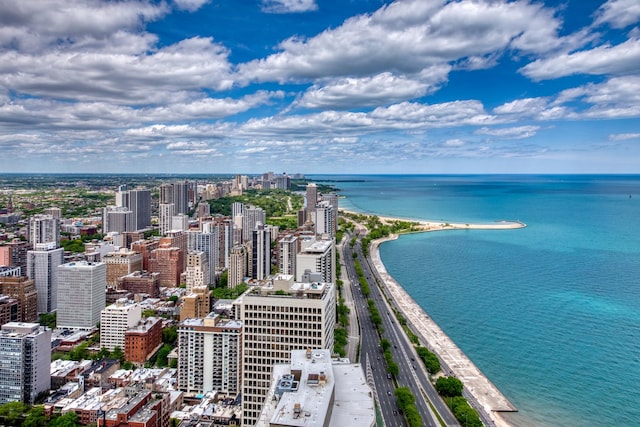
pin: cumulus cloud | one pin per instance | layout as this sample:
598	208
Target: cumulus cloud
624	136
618	13
620	59
288	6
190	5
517	132
409	36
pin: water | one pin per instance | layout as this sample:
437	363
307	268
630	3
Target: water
550	313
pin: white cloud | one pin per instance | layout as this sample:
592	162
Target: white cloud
624	136
454	143
190	5
409	36
288	6
619	13
517	132
520	106
620	59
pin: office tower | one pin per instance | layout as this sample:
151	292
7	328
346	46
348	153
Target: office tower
236	210
287	252
302	217
209	355
139	202
44	229
237	266
14	254
311	200
197	270
120	264
120	195
180	199
53	212
261	247
251	215
118	219
142	340
326	219
207	241
141	282
166	212
114	322
228	240
204	210
81	294
179	222
166	193
197	304
144	247
305	314
319	257
24	290
26	362
42	268
283	182
168	262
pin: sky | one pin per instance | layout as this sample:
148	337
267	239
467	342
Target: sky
320	86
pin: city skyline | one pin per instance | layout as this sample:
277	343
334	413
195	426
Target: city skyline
413	86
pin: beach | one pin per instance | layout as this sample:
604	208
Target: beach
455	362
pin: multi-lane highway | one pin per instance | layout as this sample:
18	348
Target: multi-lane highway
411	370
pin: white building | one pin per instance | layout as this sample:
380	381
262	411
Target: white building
42	268
209	355
315	390
81	294
44	229
261	247
251	215
118	219
25	362
317	257
197	271
165	215
114	322
207	241
326	217
280	317
287	252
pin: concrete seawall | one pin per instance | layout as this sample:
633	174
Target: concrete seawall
485	393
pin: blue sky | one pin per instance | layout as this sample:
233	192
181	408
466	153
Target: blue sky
315	86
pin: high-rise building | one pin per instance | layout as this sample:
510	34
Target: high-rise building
318	257
144	247
141	282
168	262
237	266
326	218
14	254
207	241
114	322
287	252
166	193
311	200
143	339
261	247
42	268
166	212
44	229
25	366
81	294
118	219
197	304
209	355
316	386
251	215
24	290
179	222
139	202
204	210
180	197
197	270
53	212
120	264
305	315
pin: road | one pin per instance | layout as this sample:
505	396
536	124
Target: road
411	370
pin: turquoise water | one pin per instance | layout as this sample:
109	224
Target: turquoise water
550	313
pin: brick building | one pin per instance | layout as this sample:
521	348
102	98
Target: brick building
141	341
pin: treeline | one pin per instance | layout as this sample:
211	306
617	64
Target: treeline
274	202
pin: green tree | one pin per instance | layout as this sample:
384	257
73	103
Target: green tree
70	419
161	359
170	335
12	413
449	386
48	320
35	417
117	353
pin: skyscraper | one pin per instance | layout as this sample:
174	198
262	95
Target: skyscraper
237	265
311	200
305	314
261	247
81	290
44	229
318	257
118	219
197	270
25	362
180	197
207	241
166	212
251	215
287	252
114	322
42	268
139	202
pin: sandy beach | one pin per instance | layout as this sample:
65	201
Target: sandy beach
485	393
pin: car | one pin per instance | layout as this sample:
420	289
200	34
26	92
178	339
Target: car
389	376
413	360
395	346
388	393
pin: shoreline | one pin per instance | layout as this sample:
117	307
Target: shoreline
476	384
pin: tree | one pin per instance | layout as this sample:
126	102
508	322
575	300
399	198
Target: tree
70	419
12	413
117	353
449	386
161	359
35	417
170	335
